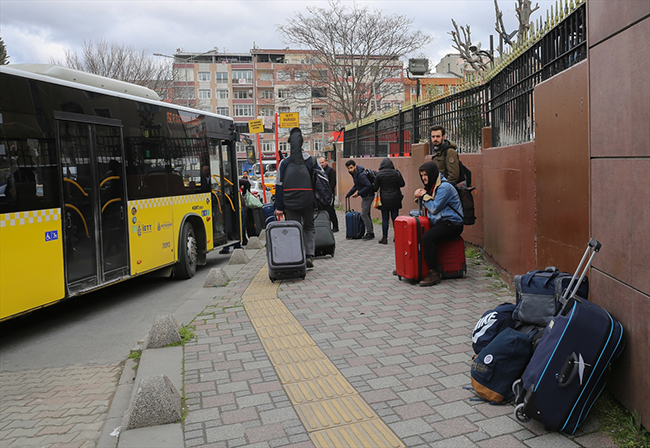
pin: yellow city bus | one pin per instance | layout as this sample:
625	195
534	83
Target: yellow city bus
100	182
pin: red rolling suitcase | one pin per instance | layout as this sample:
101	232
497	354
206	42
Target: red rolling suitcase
451	259
409	259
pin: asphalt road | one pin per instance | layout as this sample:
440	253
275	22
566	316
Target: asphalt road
97	328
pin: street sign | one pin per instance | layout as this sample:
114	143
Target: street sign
255	126
289	120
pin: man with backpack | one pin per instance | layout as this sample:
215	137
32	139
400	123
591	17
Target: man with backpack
445	155
362	187
294	194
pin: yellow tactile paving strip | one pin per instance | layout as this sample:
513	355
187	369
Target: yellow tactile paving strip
333	412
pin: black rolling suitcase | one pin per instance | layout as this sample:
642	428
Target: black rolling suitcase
254	221
568	370
285	250
325	242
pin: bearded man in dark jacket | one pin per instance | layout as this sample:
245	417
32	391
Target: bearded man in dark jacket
388	182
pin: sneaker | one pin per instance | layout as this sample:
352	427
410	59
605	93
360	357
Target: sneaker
335	230
310	262
394	271
432	278
384	240
368	236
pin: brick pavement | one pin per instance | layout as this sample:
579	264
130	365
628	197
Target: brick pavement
56	407
406	351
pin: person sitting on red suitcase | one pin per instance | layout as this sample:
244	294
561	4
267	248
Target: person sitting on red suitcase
444	210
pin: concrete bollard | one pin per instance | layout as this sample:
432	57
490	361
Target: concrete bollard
238	257
156	402
164	331
216	277
254	243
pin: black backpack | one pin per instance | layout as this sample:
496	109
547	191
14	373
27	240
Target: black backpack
322	189
467	200
371	174
297	189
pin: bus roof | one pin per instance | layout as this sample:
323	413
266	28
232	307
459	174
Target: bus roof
73	78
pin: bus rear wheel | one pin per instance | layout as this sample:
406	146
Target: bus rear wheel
187	253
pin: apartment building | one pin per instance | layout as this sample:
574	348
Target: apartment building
266	82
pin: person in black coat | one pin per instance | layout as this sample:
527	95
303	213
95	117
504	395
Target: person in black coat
388	182
331	176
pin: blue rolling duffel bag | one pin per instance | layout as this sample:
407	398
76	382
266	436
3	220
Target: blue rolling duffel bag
354	227
568	370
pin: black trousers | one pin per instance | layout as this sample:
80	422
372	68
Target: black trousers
439	232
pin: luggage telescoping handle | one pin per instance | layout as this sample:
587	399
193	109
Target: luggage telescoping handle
569	295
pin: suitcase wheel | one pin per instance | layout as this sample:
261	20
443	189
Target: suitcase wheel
519	413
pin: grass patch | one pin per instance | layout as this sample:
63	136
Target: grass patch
135	354
623	426
473	253
187	334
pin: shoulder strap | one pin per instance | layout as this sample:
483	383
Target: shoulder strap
449	203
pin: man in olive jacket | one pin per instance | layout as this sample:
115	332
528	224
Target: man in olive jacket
445	154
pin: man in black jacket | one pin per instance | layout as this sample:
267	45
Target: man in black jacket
331	176
362	187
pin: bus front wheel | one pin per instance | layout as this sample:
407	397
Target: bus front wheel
187	253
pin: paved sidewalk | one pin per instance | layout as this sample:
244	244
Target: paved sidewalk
56	407
403	349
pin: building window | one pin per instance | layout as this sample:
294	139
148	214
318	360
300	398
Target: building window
223	111
268	146
284	147
205	94
284	93
284	75
266	111
221	77
319	75
241	94
303	93
204	76
266	76
223	94
319	92
284	109
266	93
243	110
303	111
301	75
242	76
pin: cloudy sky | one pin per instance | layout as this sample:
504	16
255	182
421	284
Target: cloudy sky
38	30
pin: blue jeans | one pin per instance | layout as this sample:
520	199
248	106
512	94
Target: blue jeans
385	216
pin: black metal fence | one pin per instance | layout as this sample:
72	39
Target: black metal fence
505	101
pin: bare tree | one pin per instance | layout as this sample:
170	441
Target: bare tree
121	62
355	45
523	10
4	57
462	44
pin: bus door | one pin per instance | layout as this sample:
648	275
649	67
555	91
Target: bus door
221	205
95	210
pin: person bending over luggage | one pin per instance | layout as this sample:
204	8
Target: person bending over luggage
388	182
444	210
294	194
362	187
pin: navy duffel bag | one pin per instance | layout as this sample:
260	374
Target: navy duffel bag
538	295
